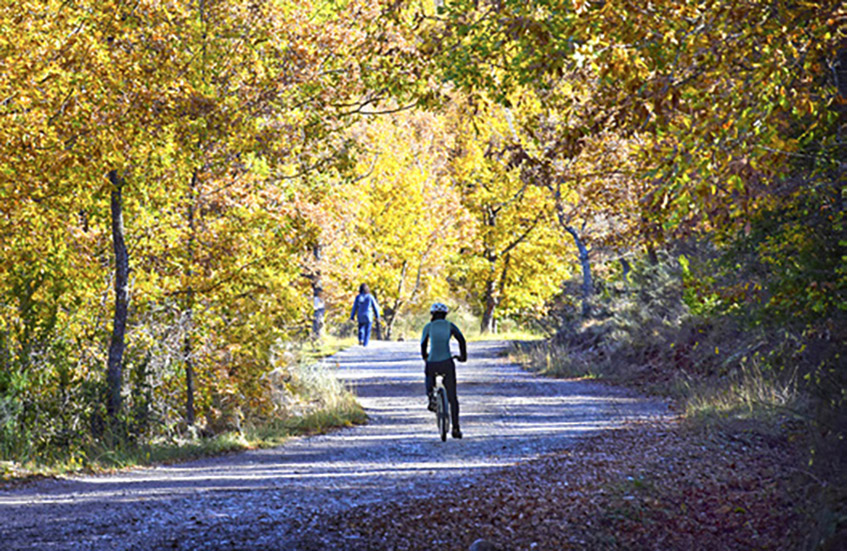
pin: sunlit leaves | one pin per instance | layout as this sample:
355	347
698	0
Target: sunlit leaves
207	110
518	259
397	224
706	86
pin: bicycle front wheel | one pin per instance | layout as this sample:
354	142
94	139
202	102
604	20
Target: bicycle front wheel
443	414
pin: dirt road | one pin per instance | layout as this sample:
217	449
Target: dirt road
263	499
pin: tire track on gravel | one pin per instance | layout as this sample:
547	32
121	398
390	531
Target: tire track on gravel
261	499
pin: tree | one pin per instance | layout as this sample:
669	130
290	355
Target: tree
116	348
705	87
207	113
511	215
591	179
64	101
397	223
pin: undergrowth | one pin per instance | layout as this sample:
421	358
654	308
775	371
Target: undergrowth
690	329
648	333
308	399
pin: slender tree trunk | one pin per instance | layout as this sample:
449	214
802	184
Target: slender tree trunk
501	292
391	316
490	297
587	282
189	373
487	325
626	269
188	349
376	330
317	296
319	314
116	348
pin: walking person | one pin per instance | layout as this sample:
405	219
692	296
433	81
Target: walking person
439	360
365	311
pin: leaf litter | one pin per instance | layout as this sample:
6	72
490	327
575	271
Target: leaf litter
651	485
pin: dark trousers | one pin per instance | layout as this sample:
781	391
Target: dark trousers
448	369
364	332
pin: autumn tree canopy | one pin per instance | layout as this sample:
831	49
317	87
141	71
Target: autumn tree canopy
268	157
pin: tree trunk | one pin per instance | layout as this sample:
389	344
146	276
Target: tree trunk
587	283
376	330
188	349
625	268
487	325
390	315
501	292
317	297
189	374
117	345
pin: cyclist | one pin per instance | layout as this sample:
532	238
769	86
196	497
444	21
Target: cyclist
437	334
365	310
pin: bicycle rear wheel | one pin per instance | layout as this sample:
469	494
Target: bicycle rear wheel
443	413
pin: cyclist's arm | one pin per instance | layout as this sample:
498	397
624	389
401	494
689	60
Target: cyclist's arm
425	342
463	346
355	307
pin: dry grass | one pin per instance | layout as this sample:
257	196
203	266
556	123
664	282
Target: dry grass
748	393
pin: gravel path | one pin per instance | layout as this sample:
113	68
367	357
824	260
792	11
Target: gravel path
263	499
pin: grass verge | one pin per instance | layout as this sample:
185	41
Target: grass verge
745	392
327	346
274	432
308	397
515	335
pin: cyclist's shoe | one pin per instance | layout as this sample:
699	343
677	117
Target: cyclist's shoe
432	406
457	433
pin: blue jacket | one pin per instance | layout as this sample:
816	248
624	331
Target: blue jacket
366	307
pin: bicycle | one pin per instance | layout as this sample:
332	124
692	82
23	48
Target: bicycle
442	406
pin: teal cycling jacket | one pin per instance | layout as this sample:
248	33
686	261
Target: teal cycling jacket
437	333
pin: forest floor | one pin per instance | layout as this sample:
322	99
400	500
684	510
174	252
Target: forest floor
545	464
653	485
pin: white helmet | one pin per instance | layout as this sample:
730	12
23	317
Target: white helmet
438	307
